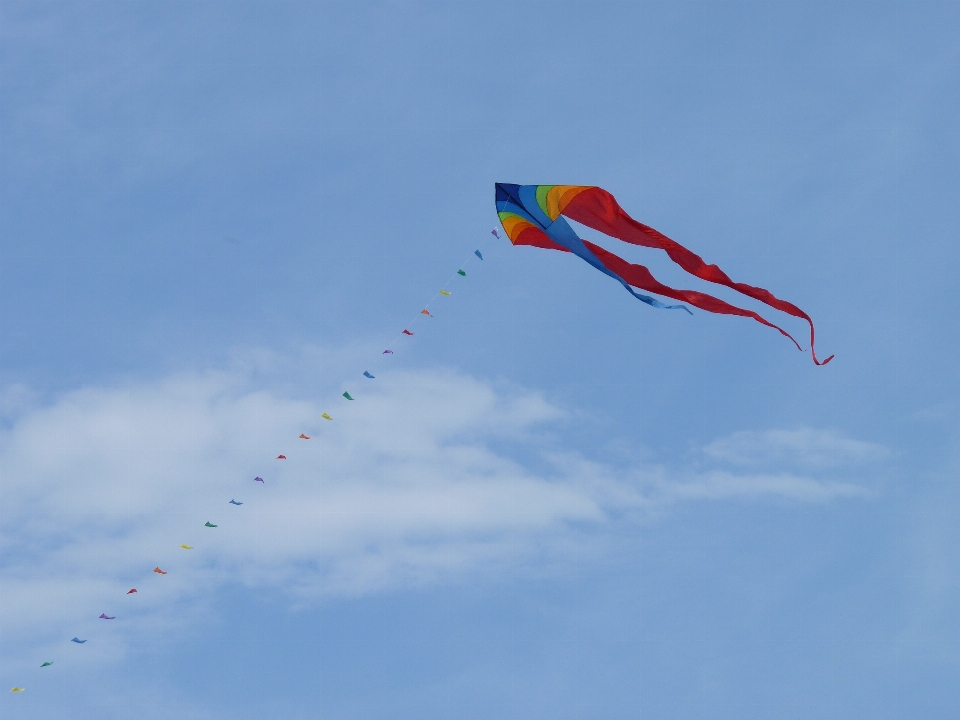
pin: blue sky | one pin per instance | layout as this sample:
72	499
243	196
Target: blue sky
554	501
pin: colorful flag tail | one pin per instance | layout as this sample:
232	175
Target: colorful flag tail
598	209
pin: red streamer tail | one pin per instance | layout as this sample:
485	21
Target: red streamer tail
598	209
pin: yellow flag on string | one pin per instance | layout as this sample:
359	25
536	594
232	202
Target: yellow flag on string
444	292
17	689
186	547
326	417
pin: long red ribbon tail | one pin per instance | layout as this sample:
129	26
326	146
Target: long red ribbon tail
598	209
641	277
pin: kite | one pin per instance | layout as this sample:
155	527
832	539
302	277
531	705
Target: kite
347	396
388	352
326	417
477	252
304	437
368	375
405	332
131	591
537	215
234	502
187	547
425	312
104	616
17	689
78	641
279	457
210	524
461	272
258	479
445	292
46	664
157	570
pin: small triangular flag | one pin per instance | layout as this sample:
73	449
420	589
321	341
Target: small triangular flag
304	437
46	664
461	272
326	417
425	312
366	374
210	524
388	352
444	292
477	252
495	234
17	689
347	396
407	332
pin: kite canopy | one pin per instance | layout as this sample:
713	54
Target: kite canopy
535	215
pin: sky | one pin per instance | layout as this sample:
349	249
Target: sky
553	501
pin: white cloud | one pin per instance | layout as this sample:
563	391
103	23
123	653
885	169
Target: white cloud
426	476
805	447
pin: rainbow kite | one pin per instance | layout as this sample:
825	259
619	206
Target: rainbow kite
534	215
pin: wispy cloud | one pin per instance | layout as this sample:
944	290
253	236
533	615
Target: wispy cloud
427	476
803	447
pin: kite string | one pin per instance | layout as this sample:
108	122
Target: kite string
419	316
461	269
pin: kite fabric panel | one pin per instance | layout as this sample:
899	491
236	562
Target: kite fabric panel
536	215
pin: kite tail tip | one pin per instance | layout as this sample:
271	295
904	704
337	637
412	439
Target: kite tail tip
824	362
